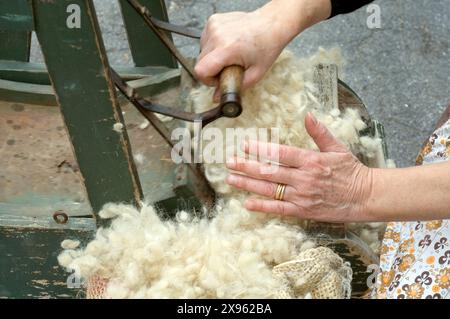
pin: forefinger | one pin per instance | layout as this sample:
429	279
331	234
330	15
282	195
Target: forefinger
283	154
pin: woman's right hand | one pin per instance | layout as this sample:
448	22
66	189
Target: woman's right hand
254	39
250	39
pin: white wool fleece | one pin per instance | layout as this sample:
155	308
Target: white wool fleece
229	256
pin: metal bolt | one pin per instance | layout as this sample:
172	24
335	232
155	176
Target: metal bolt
60	217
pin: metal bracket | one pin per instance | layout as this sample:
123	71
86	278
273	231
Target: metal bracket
158	26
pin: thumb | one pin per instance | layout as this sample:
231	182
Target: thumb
216	96
322	136
209	66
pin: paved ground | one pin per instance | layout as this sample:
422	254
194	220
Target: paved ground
401	71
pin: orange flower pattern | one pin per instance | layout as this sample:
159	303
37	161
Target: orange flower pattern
415	256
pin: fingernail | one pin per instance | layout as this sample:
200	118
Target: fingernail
250	204
230	179
231	162
312	117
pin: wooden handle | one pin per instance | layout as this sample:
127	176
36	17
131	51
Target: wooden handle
231	79
230	87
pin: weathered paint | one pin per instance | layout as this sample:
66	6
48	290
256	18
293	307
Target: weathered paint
15	45
16	15
145	46
90	110
32	245
36	73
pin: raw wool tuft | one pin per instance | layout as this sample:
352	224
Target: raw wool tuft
164	118
67	256
371	233
118	127
70	244
144	124
233	254
139	158
390	163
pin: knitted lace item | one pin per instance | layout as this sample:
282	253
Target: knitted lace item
318	272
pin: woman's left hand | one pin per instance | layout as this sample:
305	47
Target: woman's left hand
331	185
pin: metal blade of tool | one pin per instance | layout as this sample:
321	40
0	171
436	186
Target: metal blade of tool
166	26
132	96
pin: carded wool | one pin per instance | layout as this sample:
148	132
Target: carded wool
232	254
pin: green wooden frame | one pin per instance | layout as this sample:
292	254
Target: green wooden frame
29	248
16	24
103	155
16	15
76	77
62	82
36	73
29	83
15	45
146	48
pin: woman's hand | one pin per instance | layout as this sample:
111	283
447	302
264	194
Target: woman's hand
254	39
331	185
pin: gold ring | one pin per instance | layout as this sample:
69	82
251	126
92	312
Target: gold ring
279	193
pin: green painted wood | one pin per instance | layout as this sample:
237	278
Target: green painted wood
156	84
78	68
21	222
145	46
41	94
26	72
16	15
29	248
27	93
36	73
15	45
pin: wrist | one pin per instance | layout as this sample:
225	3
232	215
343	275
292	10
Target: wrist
291	17
375	183
386	200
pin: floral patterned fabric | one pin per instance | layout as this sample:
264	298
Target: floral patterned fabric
415	256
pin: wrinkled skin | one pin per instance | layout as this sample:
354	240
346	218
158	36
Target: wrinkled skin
331	185
252	47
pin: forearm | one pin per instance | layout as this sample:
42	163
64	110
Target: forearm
346	6
415	193
292	17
